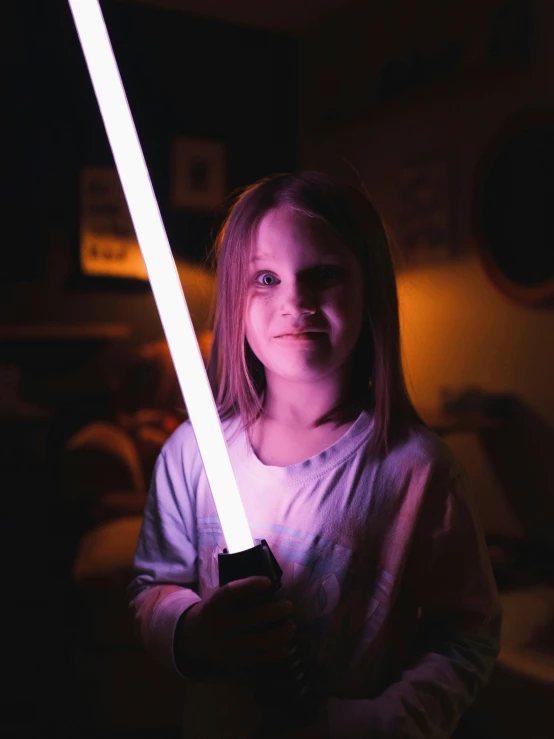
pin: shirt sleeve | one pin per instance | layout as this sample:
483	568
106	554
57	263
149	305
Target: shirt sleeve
458	638
165	563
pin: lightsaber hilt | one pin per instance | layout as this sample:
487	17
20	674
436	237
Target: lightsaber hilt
286	688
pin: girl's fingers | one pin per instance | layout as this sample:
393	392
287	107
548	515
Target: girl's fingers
269	645
265	620
246	629
263	614
238	589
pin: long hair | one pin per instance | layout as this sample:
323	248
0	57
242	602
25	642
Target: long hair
377	379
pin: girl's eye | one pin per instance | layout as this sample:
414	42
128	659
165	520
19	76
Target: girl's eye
267	279
328	274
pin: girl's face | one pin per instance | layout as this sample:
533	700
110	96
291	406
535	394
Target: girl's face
304	300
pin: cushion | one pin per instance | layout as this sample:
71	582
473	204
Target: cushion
105	554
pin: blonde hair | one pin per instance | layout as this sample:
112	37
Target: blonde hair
377	380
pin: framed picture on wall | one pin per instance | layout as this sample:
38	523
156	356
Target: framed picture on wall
108	246
198	173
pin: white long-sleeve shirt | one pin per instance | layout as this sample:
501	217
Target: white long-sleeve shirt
383	559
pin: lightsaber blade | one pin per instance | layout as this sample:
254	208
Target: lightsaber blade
162	272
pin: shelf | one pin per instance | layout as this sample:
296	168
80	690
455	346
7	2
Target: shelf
66	332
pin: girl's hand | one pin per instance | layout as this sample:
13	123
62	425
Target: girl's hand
233	628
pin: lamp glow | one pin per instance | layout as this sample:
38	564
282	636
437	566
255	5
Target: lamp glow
162	272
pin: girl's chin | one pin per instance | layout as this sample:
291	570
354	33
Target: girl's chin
301	372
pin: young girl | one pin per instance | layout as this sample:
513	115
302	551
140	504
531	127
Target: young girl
384	565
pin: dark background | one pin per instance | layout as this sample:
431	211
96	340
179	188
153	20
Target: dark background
372	88
185	76
182	75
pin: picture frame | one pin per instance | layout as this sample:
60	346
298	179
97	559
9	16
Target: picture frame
108	247
198	173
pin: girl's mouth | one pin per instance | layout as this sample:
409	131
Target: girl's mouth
303	336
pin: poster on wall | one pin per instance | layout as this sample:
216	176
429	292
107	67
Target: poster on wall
108	245
198	174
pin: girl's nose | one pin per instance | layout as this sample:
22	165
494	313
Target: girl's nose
299	300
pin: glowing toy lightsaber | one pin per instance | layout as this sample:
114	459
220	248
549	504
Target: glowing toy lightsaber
162	272
287	689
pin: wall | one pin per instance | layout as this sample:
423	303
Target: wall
183	76
457	329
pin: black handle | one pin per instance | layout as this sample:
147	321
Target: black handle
284	688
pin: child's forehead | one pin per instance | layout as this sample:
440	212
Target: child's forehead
283	229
